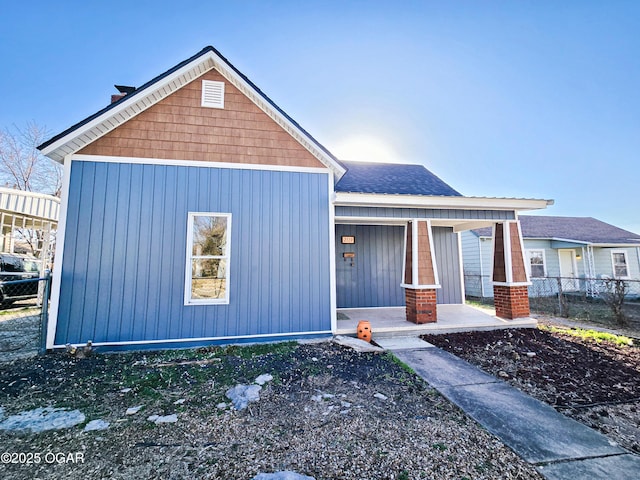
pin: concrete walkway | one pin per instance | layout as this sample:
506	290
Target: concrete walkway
560	448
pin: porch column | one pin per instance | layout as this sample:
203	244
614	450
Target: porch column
510	277
420	273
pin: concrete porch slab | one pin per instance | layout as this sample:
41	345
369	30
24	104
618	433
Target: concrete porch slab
391	321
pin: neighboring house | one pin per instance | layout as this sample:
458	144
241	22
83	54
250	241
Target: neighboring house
29	221
572	248
195	211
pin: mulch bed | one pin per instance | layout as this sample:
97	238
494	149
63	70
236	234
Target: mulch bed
596	382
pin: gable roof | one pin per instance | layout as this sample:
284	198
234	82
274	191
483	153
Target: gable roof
391	178
93	127
586	230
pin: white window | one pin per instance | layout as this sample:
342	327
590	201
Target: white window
619	261
208	254
536	263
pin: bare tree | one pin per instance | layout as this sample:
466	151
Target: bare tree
23	167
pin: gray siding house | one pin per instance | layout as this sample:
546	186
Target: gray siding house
572	248
195	211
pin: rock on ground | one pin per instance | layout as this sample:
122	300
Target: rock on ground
357	344
41	419
242	395
282	476
264	378
96	425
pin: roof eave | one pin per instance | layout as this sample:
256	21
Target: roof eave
426	201
83	133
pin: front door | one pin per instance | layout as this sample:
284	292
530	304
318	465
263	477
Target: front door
568	269
369	266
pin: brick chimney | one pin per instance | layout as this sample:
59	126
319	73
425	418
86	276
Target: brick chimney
124	91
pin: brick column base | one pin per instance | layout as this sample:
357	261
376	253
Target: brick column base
421	305
511	302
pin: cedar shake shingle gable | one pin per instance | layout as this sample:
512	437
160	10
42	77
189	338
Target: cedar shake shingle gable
140	99
388	178
580	229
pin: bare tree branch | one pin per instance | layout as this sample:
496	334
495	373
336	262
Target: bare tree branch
22	166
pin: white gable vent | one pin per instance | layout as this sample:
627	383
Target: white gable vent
212	94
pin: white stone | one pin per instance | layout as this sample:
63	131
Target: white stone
531	354
242	395
179	402
41	419
125	390
356	344
264	378
221	406
133	410
153	418
288	475
173	418
380	396
96	425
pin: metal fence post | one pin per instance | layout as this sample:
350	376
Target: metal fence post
44	315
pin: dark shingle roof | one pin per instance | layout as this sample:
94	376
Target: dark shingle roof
391	178
580	229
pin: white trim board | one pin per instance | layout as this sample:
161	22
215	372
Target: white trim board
198	164
333	282
52	324
345	199
199	339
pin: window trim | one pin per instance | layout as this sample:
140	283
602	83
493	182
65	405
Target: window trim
189	258
528	253
626	263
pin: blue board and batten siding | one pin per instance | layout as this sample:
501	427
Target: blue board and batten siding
373	277
123	273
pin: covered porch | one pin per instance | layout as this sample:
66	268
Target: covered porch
392	321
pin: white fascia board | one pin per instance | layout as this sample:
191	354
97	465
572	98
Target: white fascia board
614	245
197	163
417	201
114	117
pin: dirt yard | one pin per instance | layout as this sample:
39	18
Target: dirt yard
329	412
595	381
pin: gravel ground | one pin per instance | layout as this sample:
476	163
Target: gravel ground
19	333
329	412
594	382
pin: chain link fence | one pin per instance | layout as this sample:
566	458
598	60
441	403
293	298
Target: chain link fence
24	307
593	299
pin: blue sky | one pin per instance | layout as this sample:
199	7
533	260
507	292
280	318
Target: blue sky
535	99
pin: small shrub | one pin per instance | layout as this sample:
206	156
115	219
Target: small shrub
613	296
